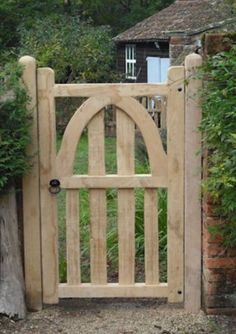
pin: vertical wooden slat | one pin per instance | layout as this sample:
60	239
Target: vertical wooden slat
163	112
72	237
151	237
175	149
47	153
192	187
126	199
31	201
97	199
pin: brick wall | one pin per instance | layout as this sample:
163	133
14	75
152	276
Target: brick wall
219	263
219	270
180	46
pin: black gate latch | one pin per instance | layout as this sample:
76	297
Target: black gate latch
54	186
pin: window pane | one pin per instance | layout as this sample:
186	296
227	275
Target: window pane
130	60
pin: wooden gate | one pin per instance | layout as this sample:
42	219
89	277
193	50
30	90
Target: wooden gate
167	171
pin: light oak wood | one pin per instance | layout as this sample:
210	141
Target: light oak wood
72	237
97	200
192	186
126	199
113	290
175	147
163	112
157	155
73	132
88	90
47	150
166	171
151	237
129	111
113	181
31	200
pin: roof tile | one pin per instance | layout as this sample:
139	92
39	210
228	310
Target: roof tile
185	16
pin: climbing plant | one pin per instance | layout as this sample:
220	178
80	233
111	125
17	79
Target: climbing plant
219	136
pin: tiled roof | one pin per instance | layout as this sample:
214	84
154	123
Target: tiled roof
186	16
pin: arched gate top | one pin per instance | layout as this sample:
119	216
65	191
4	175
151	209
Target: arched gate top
81	118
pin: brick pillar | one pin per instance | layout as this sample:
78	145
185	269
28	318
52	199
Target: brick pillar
219	263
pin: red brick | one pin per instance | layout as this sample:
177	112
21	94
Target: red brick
212	221
210	238
208	199
208	209
219	288
213	275
214	250
220	262
231	252
231	275
222	301
213	288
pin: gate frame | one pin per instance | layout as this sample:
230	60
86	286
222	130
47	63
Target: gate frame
33	184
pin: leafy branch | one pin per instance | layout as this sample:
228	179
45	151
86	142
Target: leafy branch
219	136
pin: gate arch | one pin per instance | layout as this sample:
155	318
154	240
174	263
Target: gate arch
128	105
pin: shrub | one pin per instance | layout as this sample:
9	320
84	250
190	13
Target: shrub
74	49
14	126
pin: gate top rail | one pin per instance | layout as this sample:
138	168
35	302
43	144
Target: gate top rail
88	90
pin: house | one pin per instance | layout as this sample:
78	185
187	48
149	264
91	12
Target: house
145	51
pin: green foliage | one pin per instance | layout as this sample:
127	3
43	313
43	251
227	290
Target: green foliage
55	32
119	14
14	126
14	13
130	11
219	135
74	49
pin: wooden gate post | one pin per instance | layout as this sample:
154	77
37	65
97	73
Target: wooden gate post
48	201
192	186
175	145
31	201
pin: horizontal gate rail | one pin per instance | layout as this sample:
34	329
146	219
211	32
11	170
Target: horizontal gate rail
114	290
113	181
88	90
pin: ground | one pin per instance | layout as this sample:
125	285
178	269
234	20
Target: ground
117	317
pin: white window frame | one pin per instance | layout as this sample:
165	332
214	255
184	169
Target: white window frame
130	61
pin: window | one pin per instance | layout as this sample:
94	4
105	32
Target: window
157	69
130	61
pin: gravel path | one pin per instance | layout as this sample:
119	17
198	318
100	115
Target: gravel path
117	317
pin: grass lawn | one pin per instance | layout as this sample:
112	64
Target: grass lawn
81	167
